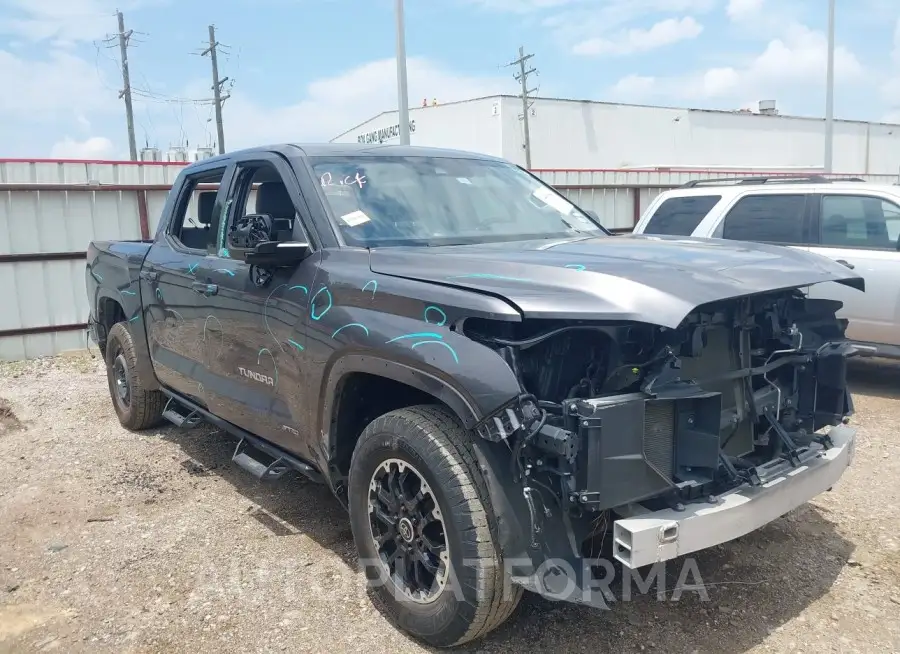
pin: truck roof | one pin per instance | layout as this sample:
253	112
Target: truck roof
352	150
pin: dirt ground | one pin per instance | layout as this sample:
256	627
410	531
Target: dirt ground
115	542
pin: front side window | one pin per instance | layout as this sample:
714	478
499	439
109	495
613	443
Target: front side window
382	201
774	218
859	221
680	216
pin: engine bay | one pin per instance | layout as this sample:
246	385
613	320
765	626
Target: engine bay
616	414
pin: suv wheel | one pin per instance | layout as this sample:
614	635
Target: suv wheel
420	517
136	407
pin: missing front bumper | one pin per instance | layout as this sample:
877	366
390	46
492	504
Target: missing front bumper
649	537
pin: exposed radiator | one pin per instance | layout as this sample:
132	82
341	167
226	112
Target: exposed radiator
659	436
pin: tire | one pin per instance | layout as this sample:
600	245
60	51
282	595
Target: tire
429	442
136	407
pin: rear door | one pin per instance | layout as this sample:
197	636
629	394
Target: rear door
173	310
775	218
862	231
256	324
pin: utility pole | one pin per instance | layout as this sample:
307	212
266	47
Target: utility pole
522	78
218	97
126	81
402	95
829	92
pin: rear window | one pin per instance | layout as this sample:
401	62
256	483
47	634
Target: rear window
680	216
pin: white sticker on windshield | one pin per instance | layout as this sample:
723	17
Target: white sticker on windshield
463	180
558	202
355	218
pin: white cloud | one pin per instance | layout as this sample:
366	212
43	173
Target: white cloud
94	147
794	61
64	21
333	105
740	9
631	41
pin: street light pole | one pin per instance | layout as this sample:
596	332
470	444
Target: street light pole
402	96
829	92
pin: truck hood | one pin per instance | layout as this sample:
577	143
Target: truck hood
652	279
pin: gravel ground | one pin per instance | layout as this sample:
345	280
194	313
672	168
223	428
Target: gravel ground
116	542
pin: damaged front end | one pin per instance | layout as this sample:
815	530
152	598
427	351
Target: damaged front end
679	439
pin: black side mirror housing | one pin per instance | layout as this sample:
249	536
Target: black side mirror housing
275	254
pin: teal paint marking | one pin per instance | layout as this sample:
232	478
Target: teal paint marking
226	271
193	267
433	308
352	324
97	276
128	293
415	335
312	307
296	345
301	287
489	276
373	283
135	319
223	252
450	348
159	294
575	266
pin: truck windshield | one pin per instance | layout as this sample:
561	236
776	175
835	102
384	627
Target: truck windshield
433	201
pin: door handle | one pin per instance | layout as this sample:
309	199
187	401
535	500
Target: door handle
149	275
205	289
846	263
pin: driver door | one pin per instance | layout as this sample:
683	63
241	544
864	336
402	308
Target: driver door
256	328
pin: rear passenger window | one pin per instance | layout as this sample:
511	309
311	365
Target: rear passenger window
192	219
766	218
680	216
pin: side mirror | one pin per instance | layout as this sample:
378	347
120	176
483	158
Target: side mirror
275	254
250	231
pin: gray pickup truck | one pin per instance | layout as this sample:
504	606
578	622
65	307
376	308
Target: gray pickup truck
476	368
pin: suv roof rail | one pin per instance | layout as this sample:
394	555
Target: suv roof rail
782	179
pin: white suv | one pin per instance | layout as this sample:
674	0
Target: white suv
850	221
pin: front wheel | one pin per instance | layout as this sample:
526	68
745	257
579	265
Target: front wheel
420	517
136	407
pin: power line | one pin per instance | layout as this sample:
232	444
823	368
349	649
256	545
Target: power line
126	82
219	97
522	78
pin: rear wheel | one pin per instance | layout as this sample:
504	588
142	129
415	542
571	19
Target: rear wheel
420	517
136	407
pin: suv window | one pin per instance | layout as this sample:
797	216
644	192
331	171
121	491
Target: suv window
772	218
680	216
193	217
859	221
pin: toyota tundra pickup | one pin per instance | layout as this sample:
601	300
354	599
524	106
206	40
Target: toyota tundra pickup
482	375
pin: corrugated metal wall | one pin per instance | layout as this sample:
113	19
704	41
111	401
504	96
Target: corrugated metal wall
51	210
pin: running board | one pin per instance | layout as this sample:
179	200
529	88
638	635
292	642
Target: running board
248	458
183	421
247	454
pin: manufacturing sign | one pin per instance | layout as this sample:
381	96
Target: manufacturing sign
384	134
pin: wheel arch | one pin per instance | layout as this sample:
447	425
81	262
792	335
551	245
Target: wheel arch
396	385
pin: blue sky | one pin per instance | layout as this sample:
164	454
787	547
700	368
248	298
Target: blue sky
306	70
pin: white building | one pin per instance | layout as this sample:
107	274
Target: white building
573	134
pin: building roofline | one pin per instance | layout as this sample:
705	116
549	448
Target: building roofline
727	112
411	109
